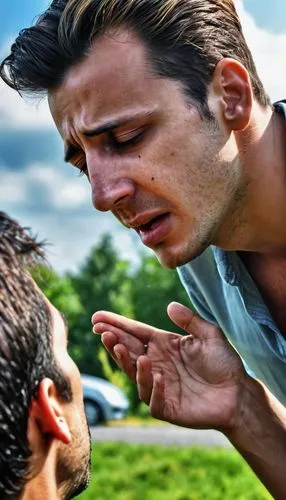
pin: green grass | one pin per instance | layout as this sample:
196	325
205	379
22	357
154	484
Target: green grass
123	471
135	421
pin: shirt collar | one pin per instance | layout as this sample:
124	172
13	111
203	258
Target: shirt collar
226	265
280	107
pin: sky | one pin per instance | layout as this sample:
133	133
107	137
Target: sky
44	193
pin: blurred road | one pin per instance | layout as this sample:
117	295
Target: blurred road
160	434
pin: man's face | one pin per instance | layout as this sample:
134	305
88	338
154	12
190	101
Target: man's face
73	466
150	157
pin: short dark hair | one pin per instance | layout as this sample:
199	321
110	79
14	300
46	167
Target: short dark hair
26	354
184	38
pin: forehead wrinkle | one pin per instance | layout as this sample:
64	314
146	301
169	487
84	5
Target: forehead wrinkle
114	121
71	138
103	72
94	91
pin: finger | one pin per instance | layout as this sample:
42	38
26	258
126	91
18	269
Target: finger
125	361
144	379
157	401
139	330
132	343
120	355
109	340
189	321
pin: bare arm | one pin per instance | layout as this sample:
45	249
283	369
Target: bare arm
198	381
259	435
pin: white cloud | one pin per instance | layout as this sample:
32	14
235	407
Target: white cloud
11	192
19	113
69	237
51	183
73	194
74	236
268	50
56	204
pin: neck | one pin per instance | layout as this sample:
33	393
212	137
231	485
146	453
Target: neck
39	493
43	486
258	221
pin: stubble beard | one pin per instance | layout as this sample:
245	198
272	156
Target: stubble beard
222	222
74	462
220	217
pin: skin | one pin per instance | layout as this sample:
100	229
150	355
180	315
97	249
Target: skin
181	376
210	180
198	381
58	432
210	193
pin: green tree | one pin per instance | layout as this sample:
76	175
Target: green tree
154	287
61	293
102	282
58	289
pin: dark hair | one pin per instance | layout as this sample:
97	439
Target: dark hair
185	39
26	355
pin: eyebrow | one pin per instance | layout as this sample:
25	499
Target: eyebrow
71	150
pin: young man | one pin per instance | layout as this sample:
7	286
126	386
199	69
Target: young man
44	437
160	105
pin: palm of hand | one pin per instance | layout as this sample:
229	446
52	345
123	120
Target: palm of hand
192	381
201	380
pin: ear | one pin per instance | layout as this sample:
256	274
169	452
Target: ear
48	412
231	82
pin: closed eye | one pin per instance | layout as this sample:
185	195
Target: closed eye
126	140
83	171
119	141
82	167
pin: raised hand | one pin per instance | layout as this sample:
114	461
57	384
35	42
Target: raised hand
194	380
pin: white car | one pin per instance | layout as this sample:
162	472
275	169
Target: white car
102	400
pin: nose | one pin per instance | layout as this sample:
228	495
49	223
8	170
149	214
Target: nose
109	194
110	177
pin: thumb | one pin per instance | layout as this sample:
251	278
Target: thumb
188	320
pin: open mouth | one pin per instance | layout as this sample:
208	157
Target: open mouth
152	224
155	230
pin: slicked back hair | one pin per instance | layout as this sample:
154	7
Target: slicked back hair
185	39
26	355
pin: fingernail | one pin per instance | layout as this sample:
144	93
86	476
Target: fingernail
117	354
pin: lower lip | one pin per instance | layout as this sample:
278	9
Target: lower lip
160	229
